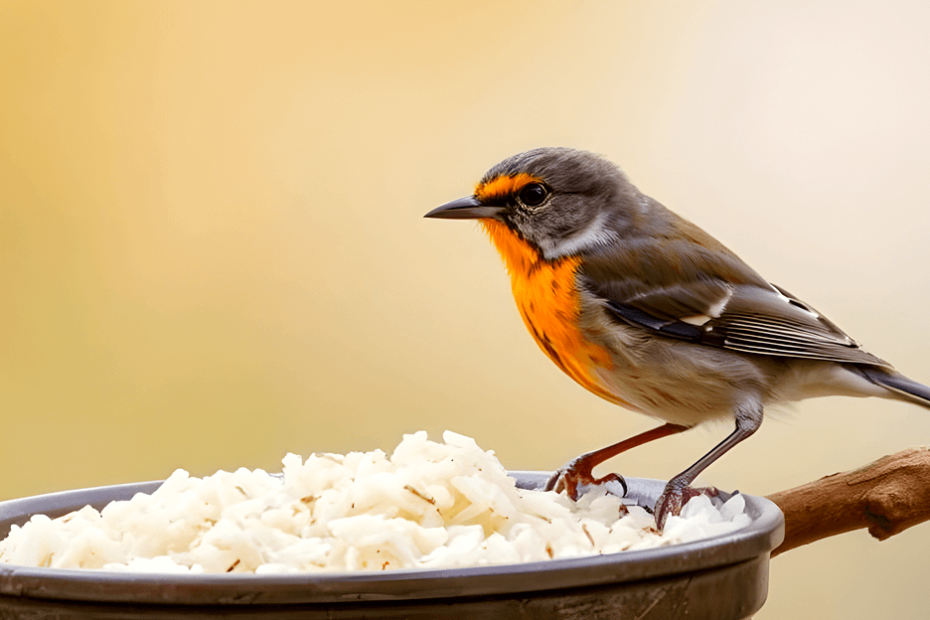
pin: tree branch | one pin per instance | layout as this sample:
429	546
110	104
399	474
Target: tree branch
887	497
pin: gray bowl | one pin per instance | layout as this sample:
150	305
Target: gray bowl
719	578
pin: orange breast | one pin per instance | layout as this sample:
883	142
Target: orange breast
547	298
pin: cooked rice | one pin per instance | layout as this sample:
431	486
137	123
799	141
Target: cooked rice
428	505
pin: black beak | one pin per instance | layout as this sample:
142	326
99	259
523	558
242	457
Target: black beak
464	209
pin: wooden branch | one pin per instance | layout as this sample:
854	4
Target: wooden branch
887	497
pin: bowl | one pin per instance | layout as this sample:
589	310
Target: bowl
721	578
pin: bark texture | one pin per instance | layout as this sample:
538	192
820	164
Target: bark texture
886	496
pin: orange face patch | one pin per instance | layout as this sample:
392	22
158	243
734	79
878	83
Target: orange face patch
547	298
502	186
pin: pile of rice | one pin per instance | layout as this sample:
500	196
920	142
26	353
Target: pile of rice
428	505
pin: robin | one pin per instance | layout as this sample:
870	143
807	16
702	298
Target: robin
648	311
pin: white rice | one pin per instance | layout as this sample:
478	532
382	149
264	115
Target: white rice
428	505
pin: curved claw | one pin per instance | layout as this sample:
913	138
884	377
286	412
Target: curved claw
575	477
612	477
674	498
577	473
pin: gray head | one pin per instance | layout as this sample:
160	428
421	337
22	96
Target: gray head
560	200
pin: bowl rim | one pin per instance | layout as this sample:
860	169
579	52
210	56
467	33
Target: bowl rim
760	537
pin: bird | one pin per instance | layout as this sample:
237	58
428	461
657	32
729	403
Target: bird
648	311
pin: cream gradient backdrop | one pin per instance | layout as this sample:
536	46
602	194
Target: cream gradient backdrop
212	248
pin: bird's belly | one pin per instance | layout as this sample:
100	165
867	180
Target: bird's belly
671	380
665	399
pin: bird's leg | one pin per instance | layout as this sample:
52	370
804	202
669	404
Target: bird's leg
578	472
678	490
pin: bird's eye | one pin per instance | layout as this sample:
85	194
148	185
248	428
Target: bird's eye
533	194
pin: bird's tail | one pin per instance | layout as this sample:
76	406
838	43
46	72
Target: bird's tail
898	384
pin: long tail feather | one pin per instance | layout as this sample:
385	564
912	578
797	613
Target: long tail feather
899	384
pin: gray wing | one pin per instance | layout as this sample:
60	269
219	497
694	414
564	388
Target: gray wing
750	317
680	282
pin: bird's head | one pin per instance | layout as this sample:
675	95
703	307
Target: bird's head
560	201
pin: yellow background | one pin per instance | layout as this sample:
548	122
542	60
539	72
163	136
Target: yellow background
212	248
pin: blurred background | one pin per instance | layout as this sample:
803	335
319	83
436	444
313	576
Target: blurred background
212	249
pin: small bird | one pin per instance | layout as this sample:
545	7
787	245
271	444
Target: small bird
648	311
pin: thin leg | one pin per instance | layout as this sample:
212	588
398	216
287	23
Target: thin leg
578	471
678	490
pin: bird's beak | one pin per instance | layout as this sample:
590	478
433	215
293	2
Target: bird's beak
467	208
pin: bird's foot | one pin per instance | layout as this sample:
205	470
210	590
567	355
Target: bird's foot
677	494
576	478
